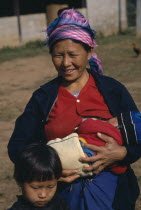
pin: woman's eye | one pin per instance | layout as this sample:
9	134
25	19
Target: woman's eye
57	55
73	55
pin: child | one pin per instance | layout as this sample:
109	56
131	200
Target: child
37	170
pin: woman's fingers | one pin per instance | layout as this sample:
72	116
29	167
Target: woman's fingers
105	138
69	176
69	179
95	166
69	172
99	169
89	159
92	147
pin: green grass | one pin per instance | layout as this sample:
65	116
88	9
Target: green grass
111	43
115	52
28	50
118	57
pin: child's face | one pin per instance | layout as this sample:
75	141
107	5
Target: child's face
39	193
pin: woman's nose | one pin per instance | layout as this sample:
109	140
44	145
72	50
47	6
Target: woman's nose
66	61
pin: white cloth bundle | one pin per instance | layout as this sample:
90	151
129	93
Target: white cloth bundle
69	150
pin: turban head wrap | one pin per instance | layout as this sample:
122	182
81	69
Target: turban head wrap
71	24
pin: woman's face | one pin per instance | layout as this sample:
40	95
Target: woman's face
70	59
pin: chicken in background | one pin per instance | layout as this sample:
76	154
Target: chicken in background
136	49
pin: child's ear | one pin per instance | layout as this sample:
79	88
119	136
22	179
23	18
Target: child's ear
20	185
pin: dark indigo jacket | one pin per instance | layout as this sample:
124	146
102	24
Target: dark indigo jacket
29	128
57	203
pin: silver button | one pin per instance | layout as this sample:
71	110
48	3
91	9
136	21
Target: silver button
78	100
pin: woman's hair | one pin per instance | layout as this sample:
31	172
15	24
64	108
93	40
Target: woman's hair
37	162
85	46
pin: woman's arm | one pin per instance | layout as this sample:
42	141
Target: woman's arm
27	129
129	124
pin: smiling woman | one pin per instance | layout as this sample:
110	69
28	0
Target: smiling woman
58	109
70	60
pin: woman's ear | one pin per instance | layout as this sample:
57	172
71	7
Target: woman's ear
90	53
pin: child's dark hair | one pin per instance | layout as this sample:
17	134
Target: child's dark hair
37	162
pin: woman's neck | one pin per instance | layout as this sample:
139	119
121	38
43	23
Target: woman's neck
77	85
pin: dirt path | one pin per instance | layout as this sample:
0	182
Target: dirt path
18	80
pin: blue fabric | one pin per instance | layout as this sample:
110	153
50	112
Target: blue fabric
93	193
87	151
136	119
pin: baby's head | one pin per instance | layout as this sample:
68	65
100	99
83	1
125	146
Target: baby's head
37	170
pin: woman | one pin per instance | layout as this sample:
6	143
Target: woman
58	107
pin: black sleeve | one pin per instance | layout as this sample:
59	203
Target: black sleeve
133	154
27	129
130	126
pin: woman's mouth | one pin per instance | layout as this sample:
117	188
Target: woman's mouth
69	72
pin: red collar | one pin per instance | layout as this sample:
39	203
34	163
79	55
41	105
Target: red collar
90	82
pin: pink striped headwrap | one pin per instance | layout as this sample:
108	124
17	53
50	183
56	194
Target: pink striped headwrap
71	24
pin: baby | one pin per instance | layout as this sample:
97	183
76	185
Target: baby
87	132
70	148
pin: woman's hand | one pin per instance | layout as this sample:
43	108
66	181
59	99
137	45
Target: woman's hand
69	176
106	155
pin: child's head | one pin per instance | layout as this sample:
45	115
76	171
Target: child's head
37	170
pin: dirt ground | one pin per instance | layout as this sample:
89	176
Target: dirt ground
18	80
